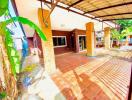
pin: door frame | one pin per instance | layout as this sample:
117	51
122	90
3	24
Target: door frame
79	43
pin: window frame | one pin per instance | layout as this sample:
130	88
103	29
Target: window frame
60	45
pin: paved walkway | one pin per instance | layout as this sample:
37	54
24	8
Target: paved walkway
105	77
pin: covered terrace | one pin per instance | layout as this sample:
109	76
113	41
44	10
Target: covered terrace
73	66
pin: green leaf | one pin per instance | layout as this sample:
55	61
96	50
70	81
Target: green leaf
28	22
3	95
3	6
12	53
124	24
17	68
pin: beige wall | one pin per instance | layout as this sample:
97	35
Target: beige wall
60	19
28	9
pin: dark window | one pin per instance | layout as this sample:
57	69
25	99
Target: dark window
59	41
55	41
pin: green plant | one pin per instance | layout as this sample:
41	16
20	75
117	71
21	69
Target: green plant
3	95
119	36
116	35
11	51
124	24
3	7
127	31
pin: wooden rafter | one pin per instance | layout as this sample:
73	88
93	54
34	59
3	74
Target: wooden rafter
52	1
53	5
48	2
114	15
128	3
118	19
79	1
70	10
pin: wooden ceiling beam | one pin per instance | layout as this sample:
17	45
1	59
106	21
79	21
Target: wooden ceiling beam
118	5
53	5
118	19
48	2
79	1
114	14
75	12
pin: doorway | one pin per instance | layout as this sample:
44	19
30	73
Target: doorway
72	45
82	42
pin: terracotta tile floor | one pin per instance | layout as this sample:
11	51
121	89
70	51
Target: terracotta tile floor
70	61
101	78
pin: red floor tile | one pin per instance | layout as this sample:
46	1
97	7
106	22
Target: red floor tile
76	84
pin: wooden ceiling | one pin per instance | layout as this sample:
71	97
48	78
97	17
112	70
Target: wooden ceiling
102	10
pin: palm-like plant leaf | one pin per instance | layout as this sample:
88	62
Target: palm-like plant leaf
28	22
119	36
12	53
3	6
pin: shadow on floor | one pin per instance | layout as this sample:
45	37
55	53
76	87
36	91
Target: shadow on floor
123	58
89	89
66	94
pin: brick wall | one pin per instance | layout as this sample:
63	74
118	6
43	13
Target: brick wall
75	33
68	48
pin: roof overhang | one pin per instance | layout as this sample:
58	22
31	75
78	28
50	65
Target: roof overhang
101	10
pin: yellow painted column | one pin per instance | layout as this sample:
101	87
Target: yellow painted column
90	45
47	46
107	37
95	40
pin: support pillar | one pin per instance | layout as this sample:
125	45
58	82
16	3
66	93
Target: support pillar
47	46
107	37
95	41
90	45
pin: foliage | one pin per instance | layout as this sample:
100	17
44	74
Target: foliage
28	22
11	51
3	6
115	35
127	31
3	95
119	36
124	24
